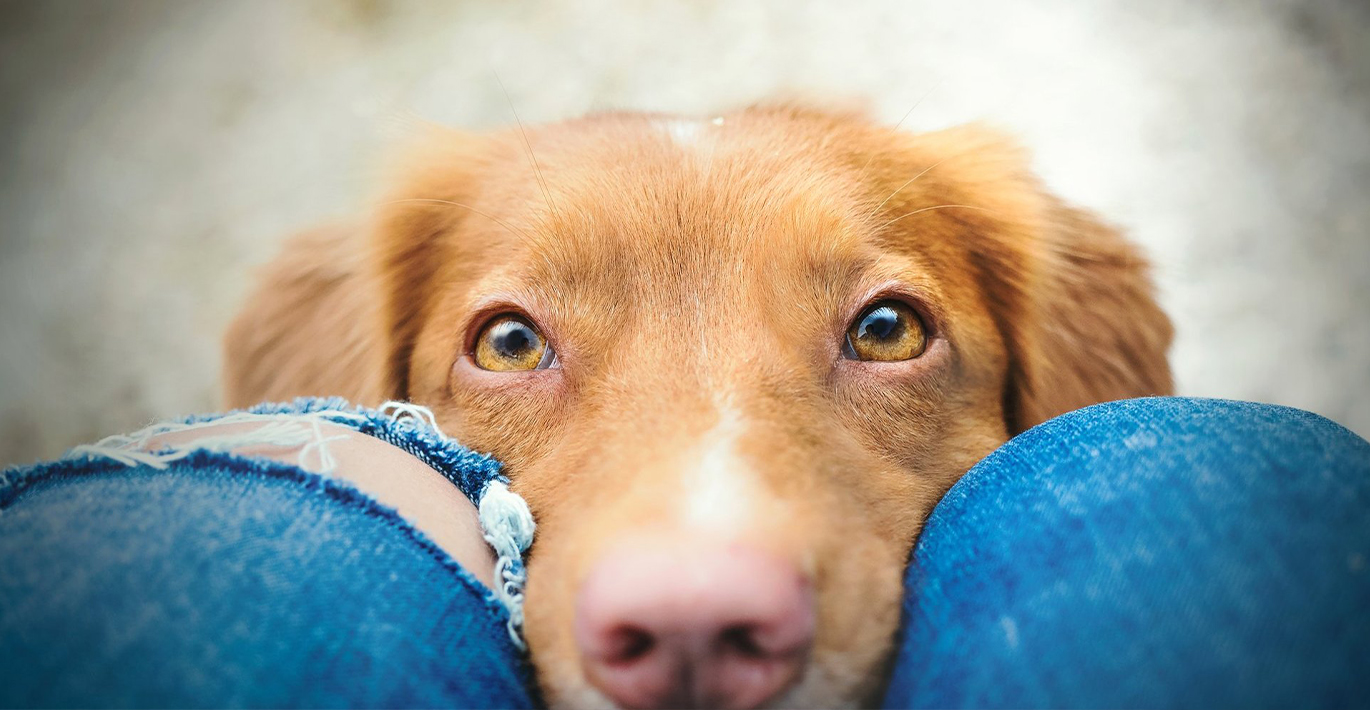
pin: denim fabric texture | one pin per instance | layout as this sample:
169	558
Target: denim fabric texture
221	580
469	471
1149	553
1152	553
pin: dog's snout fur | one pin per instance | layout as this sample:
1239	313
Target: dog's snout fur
696	279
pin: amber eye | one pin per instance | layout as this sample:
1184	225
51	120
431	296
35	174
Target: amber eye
886	331
509	342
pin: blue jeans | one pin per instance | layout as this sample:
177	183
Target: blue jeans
1148	553
1159	552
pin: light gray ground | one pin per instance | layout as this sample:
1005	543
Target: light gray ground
154	153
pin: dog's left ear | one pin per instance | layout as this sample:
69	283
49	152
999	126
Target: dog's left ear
1071	298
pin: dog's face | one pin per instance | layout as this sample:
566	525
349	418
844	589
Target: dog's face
732	364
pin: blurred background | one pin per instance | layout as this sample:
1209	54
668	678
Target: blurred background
153	153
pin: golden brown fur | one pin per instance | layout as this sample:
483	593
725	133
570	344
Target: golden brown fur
679	277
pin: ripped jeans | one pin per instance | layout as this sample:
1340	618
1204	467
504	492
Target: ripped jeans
1163	552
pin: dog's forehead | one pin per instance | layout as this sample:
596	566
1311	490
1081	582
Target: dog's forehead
633	197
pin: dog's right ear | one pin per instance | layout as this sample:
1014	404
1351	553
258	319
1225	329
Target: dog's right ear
311	327
433	185
338	311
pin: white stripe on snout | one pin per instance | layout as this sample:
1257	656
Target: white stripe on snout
720	491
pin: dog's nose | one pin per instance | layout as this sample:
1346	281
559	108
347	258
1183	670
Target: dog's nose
691	625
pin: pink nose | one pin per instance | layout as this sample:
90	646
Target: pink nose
693	626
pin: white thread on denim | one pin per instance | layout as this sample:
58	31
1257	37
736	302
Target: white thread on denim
320	442
397	410
506	522
276	430
508	526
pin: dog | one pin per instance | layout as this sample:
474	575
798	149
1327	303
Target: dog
730	362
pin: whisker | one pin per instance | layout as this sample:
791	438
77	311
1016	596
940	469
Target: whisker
905	117
516	232
528	145
901	187
934	207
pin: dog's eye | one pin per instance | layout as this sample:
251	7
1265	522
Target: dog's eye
509	342
886	331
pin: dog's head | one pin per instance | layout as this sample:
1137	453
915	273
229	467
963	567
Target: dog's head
730	363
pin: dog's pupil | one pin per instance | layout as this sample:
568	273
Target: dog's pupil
513	339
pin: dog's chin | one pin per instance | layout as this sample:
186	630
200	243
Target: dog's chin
849	678
820	687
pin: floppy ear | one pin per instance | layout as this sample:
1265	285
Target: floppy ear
1071	298
414	242
311	328
337	312
1091	330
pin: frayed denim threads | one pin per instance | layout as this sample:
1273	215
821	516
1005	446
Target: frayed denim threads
505	519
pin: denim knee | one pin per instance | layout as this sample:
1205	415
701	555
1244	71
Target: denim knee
203	577
1154	552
